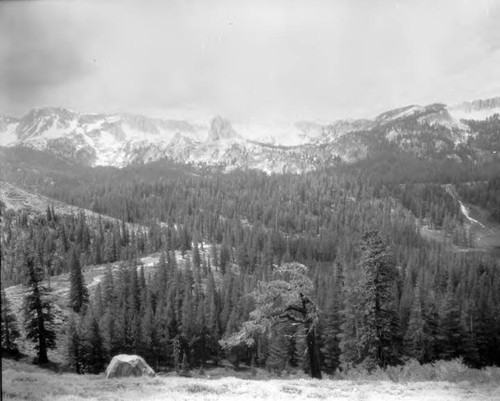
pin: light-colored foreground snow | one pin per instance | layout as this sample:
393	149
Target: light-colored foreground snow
36	384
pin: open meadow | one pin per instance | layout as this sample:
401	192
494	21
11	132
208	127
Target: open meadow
21	381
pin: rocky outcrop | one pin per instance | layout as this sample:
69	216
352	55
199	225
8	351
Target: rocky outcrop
221	129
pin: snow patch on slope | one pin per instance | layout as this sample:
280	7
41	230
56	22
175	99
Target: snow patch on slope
450	189
8	136
465	211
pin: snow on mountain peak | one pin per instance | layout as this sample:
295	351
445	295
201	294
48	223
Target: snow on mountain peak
121	139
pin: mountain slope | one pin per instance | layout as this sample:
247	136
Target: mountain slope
16	199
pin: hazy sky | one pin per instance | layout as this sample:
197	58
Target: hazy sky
247	60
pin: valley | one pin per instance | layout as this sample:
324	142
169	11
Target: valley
175	254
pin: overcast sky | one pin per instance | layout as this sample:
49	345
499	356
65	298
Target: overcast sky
247	60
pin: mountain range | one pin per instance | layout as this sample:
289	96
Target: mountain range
118	140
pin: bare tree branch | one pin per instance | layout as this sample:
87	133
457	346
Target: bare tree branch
296	308
292	318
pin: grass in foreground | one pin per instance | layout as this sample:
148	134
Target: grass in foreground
21	381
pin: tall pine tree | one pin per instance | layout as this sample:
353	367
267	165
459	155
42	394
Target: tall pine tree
37	309
78	293
9	328
75	354
379	333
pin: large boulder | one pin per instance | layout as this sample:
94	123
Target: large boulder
128	365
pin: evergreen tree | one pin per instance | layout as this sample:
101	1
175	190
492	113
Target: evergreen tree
431	329
161	330
147	329
227	304
331	325
415	338
133	299
351	317
187	322
185	365
37	309
379	332
215	256
213	306
49	250
108	287
196	258
287	298
282	348
232	323
224	257
262	349
212	319
75	354
8	328
93	348
78	292
485	330
177	352
97	302
451	333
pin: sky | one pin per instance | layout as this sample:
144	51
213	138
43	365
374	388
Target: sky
249	61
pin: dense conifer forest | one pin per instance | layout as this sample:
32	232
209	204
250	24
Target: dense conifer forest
376	292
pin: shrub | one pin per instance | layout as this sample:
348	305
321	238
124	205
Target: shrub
205	389
412	371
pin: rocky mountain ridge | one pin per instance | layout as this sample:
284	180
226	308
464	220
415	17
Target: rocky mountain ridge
124	139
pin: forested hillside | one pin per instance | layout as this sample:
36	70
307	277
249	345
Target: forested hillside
346	224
